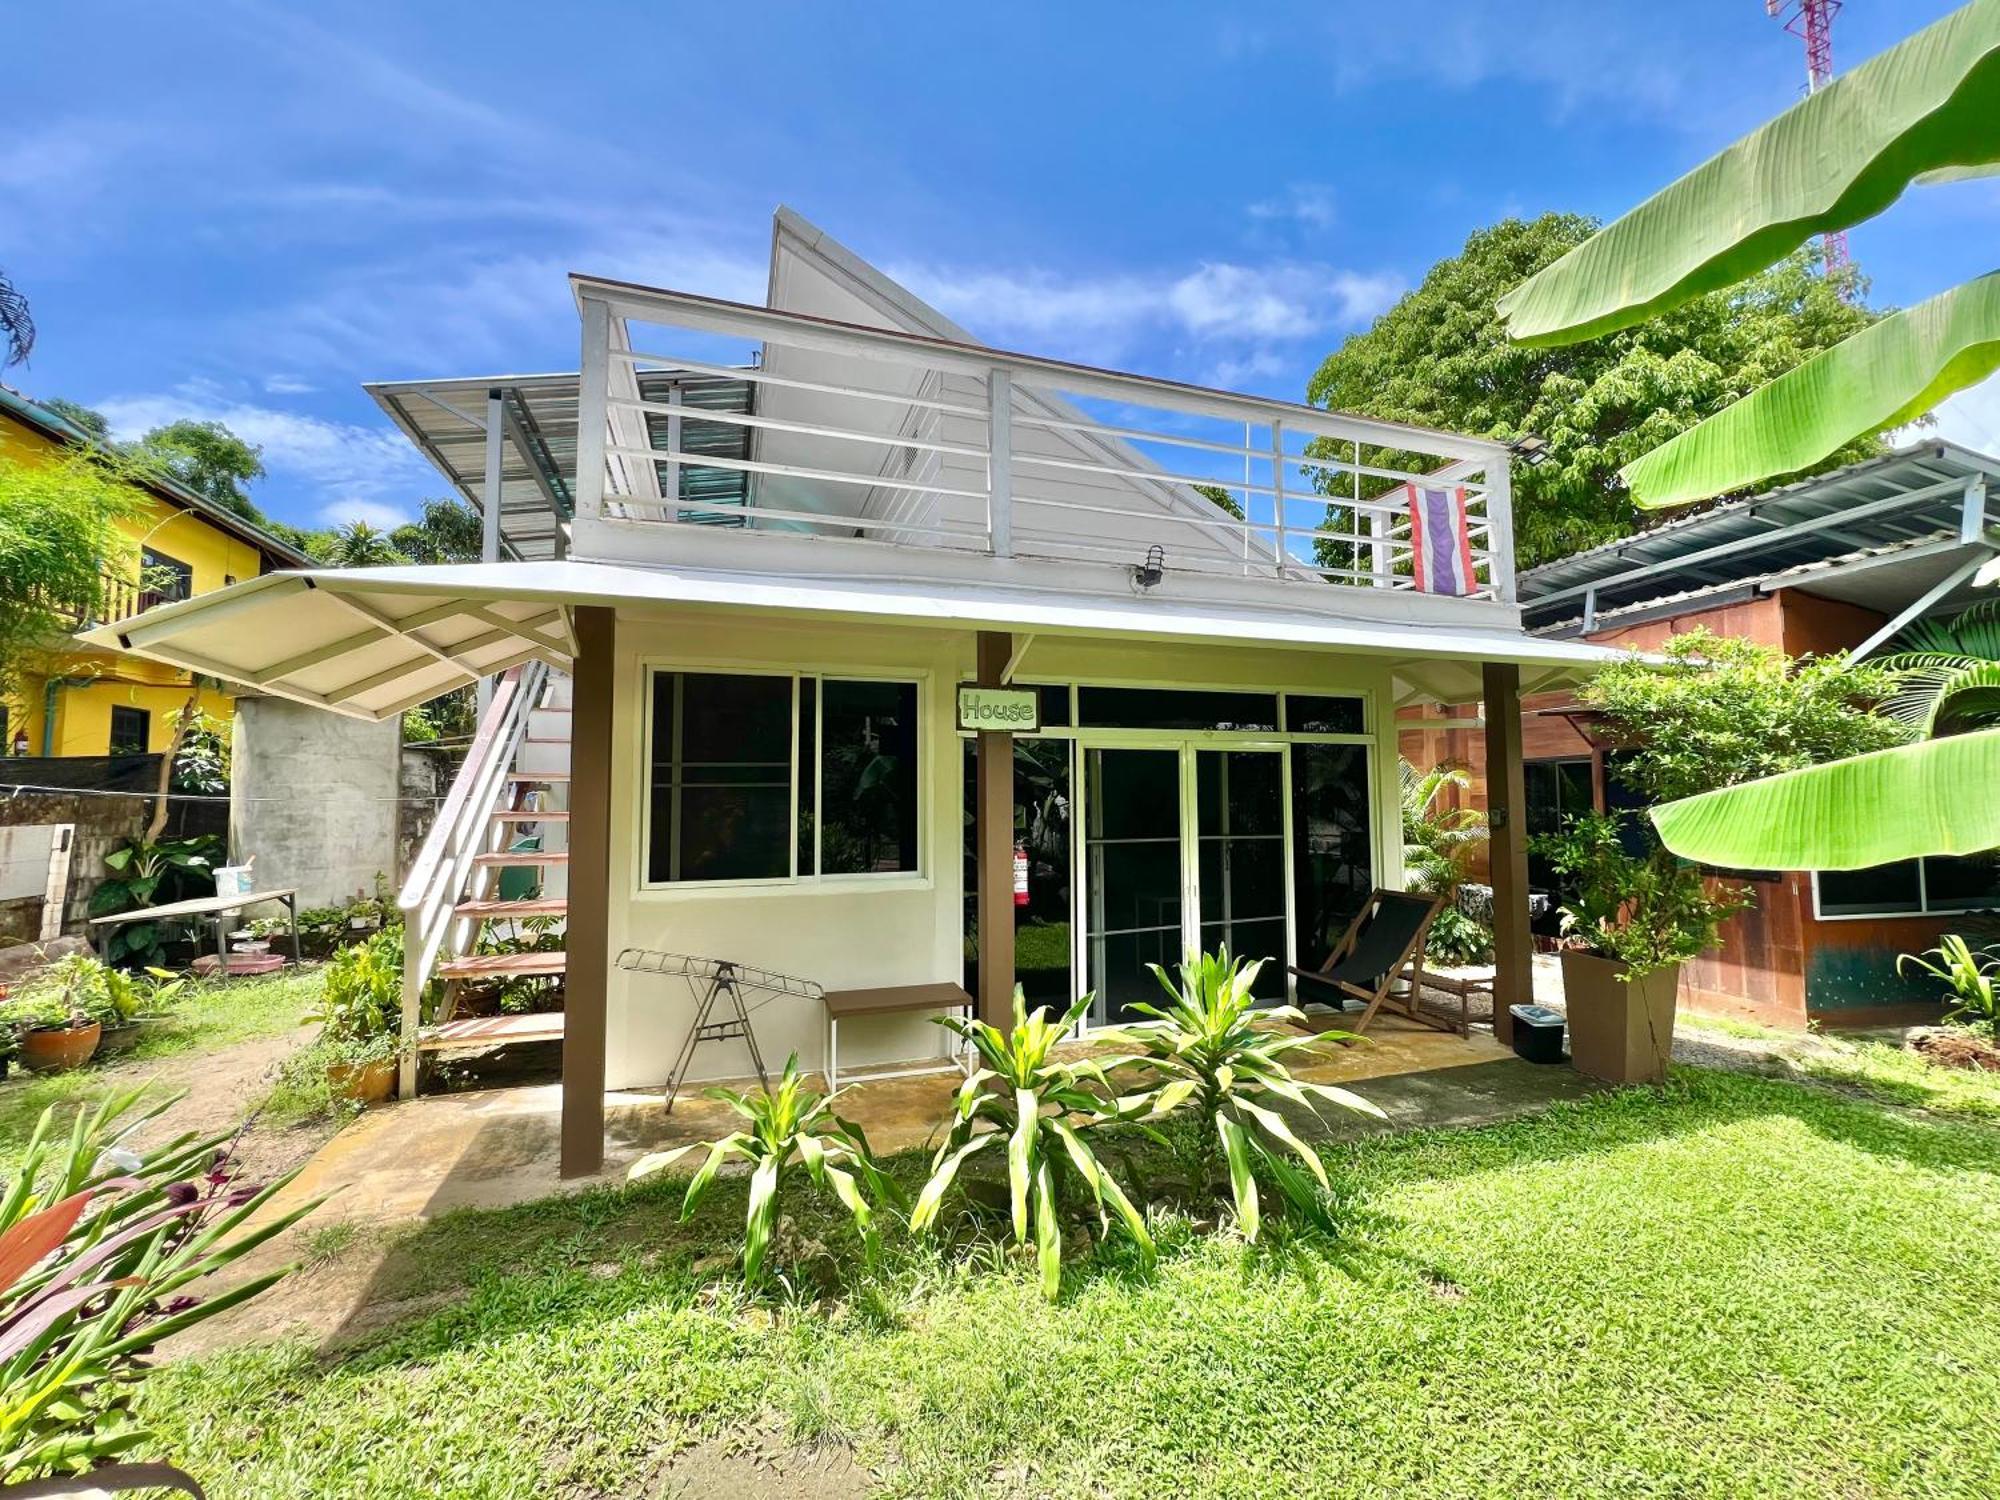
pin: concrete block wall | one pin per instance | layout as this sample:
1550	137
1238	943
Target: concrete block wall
316	798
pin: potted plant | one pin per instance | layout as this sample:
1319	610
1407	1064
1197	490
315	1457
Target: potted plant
360	1014
1635	919
55	1033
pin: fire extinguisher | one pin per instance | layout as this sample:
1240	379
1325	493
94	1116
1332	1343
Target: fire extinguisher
1020	874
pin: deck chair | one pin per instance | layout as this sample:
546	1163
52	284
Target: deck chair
1384	943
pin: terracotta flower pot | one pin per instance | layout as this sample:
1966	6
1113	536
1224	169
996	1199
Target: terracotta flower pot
364	1083
122	1038
1619	1030
59	1051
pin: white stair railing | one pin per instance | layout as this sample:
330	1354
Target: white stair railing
432	929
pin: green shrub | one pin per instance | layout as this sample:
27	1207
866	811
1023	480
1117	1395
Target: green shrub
1971	976
1037	1105
1223	1064
792	1131
1645	910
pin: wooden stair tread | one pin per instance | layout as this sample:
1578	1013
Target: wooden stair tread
504	857
544	906
474	1031
502	965
530	815
532	776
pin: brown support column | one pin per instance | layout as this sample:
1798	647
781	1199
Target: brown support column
1506	817
588	924
993	845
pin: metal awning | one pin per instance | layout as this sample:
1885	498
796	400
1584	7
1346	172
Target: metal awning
1911	518
370	642
446	419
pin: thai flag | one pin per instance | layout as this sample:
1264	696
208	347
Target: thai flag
1440	547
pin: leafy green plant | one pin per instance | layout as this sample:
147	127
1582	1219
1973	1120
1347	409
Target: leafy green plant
102	1252
1948	670
1223	1063
361	999
1456	938
1644	910
1436	839
1971	975
1022	1095
146	874
73	991
793	1131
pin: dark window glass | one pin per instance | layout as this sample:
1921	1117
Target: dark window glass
1332	859
1557	791
1305	714
1962	883
1042	944
1240	821
1166	708
721	777
1883	888
808	790
1132	873
868	777
1054	700
131	731
163	579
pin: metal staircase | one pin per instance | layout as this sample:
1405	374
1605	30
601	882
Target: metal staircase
498	852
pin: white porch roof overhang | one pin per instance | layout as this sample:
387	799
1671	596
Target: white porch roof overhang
371	642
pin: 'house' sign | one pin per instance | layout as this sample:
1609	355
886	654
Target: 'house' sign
1002	710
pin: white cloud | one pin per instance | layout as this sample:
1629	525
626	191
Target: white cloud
287	385
334	463
1972	417
381	517
1310	204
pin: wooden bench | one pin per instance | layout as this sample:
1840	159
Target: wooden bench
894	1000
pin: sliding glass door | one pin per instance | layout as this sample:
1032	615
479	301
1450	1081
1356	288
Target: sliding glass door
1240	842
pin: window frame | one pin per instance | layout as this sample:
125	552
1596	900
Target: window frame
1923	910
146	730
182	571
652	669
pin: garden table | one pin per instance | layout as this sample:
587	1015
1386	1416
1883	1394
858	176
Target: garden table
212	908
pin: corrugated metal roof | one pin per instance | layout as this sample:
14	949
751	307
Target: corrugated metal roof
1912	494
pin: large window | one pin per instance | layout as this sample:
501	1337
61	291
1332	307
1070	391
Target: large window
1913	887
163	579
1333	866
772	777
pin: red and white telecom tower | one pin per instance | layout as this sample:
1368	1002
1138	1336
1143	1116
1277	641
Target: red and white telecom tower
1811	21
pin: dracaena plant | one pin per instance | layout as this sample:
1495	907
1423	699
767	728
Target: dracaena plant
1039	1108
1221	1061
103	1253
793	1132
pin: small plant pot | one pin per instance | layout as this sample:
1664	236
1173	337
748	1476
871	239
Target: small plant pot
363	1083
113	1040
1619	1030
59	1051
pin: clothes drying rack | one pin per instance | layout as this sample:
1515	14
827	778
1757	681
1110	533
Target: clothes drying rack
719	982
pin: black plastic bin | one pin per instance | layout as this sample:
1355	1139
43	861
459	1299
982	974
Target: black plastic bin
1538	1033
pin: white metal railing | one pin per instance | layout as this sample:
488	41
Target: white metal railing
465	828
875	434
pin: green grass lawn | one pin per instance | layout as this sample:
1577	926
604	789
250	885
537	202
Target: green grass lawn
1731	1286
206	1017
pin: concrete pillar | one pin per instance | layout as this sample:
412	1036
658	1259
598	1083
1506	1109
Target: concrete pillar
314	797
588	925
993	845
1507	820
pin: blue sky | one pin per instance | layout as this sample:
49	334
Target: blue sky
243	210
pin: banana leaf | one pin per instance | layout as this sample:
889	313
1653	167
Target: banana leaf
1839	156
1889	373
1933	797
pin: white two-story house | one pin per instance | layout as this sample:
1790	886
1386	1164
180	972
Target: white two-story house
740	566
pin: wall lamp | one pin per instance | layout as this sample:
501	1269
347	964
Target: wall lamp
1530	449
1147	575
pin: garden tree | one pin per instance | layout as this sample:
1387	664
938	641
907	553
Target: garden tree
359	545
1723	710
1927	108
209	459
448	531
1220	498
94	423
17	324
58	528
1441	358
1950	671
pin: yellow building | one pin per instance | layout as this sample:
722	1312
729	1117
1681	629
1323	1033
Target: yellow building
96	702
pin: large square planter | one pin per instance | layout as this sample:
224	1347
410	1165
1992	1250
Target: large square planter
1619	1030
